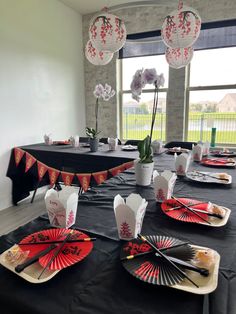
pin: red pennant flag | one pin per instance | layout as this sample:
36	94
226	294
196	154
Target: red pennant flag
116	170
128	164
53	175
100	176
84	180
29	161
42	169
67	177
19	153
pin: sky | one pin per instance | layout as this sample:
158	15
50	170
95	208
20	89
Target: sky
208	67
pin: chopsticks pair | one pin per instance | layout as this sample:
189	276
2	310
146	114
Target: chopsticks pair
202	271
201	211
59	248
167	259
224	161
53	244
59	241
210	176
191	210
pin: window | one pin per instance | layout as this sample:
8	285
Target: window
136	117
212	95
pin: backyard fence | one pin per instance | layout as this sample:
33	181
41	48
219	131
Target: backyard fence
137	126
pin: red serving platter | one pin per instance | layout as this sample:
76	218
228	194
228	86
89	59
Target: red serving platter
70	254
183	214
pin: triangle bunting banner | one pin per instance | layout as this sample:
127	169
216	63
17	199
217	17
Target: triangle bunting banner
53	175
29	161
42	169
67	177
84	180
100	176
18	153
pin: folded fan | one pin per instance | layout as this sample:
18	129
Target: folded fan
151	269
70	254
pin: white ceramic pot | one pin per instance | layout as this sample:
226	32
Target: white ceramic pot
143	173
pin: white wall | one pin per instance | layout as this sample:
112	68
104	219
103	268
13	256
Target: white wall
41	77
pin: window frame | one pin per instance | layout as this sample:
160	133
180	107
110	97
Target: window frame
189	89
128	91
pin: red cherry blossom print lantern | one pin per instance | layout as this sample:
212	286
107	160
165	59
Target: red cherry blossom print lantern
107	32
181	27
95	56
179	57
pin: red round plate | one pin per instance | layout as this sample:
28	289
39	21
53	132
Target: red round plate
217	162
183	213
70	254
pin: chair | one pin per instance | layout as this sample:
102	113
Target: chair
132	142
104	140
84	139
187	145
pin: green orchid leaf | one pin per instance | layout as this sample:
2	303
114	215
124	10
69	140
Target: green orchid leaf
145	151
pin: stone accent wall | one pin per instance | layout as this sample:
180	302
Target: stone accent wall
140	20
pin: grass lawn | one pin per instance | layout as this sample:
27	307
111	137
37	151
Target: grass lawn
137	126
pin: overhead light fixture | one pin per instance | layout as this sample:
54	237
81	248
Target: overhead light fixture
107	35
181	27
180	30
178	57
95	56
107	32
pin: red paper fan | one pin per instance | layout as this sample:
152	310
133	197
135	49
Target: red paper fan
183	213
70	254
217	162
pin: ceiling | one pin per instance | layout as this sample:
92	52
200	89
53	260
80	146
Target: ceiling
91	6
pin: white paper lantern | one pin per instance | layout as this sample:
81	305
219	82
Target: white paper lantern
179	57
181	27
107	32
95	56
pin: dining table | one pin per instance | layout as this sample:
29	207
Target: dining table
63	158
100	284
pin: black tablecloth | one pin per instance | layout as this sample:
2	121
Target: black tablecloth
99	284
63	158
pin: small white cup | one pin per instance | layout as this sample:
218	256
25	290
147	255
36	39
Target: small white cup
112	143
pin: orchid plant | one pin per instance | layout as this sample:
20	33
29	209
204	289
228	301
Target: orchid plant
140	79
100	92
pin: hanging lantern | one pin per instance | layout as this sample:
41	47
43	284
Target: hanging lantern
181	27
95	56
107	32
179	57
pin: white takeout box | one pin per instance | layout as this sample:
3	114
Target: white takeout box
206	148
48	139
62	206
129	215
182	164
74	141
197	152
112	143
164	184
156	146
